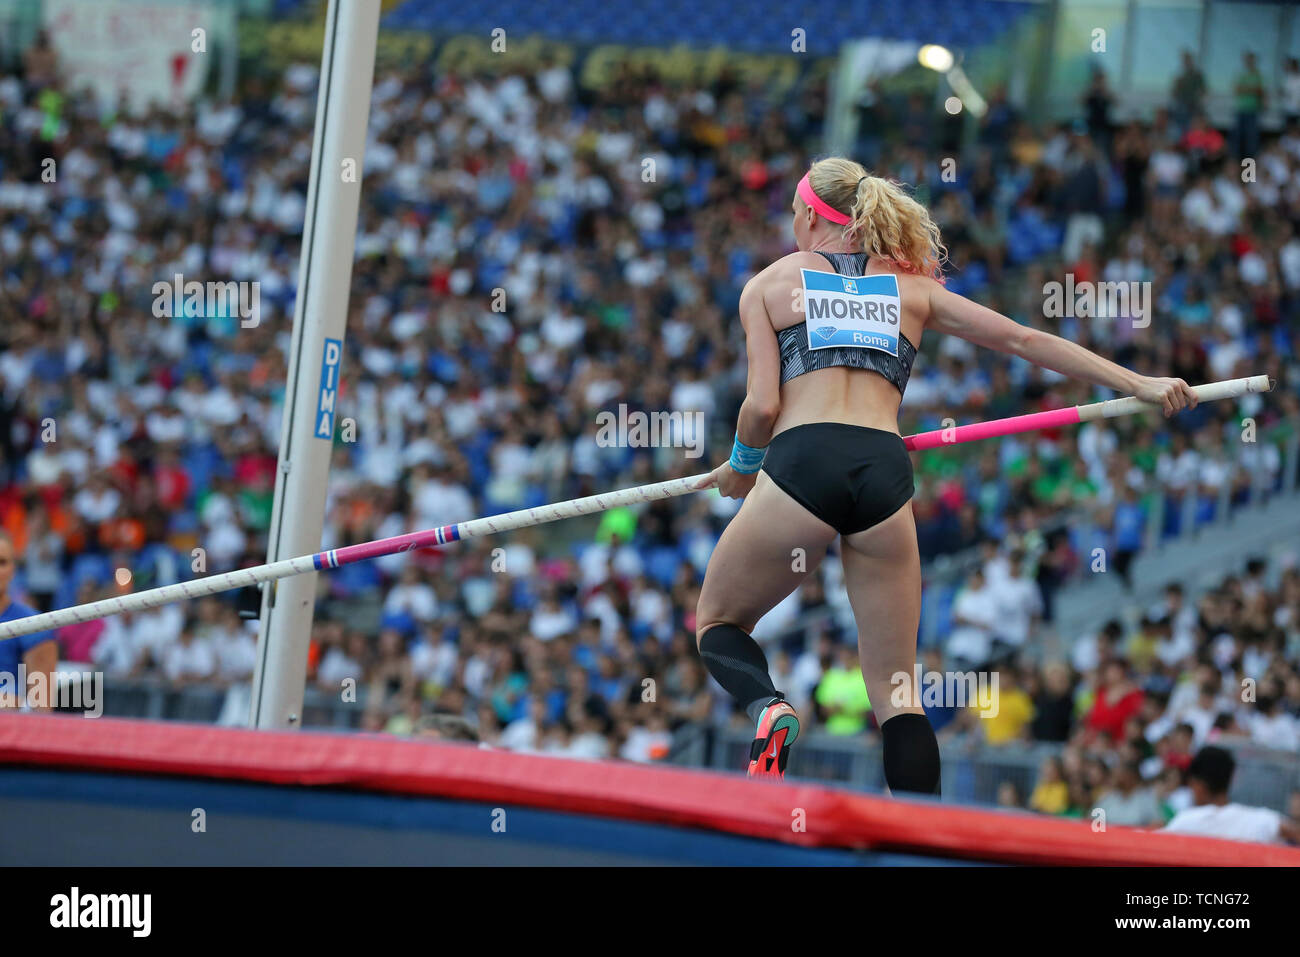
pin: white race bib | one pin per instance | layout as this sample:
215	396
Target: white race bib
855	311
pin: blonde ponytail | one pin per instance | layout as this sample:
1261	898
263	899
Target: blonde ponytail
885	221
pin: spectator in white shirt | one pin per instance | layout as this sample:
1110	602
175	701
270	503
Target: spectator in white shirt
647	742
1188	687
1090	650
434	659
1291	91
1128	802
651	608
438	500
97	502
1202	715
339	665
189	660
412	596
1172	648
1182	616
808	668
997	564
783	677
588	741
1177	468
116	651
525	734
1272	727
974	616
156	630
1018	604
1212	815
550	619
235	645
1254	582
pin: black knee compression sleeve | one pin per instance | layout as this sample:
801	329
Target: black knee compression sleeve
911	754
738	664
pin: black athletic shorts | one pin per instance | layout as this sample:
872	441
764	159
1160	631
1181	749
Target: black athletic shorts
849	476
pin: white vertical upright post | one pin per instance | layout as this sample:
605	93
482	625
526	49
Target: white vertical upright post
320	315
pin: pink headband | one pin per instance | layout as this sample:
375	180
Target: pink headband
823	209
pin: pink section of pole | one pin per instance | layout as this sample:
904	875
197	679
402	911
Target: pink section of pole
991	430
429	537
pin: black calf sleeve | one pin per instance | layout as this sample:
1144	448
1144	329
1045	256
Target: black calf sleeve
911	754
738	664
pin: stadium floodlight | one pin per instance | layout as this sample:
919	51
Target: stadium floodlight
935	57
941	60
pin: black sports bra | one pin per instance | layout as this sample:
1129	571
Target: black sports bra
797	358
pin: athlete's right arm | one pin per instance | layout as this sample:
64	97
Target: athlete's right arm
958	316
762	405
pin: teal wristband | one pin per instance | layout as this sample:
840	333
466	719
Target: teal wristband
745	460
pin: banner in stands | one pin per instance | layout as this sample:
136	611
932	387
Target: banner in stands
141	50
275	44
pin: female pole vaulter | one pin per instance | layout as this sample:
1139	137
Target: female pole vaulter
818	454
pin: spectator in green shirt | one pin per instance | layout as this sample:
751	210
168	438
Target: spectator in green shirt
842	694
1251	98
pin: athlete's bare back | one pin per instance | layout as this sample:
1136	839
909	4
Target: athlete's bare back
838	394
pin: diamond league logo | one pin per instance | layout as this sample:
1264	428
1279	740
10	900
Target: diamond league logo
825	332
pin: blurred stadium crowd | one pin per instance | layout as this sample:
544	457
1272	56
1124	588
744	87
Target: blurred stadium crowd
621	225
1222	670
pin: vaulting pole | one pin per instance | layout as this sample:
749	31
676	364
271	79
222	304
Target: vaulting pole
479	527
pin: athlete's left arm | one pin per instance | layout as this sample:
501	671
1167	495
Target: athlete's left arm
958	316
